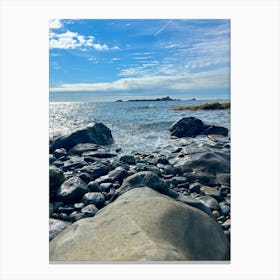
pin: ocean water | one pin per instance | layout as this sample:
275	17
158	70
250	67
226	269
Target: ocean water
136	126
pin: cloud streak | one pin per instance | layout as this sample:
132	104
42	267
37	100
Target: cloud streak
203	80
162	28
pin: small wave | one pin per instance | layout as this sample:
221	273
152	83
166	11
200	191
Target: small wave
163	124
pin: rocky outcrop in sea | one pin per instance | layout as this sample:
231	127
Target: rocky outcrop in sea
106	205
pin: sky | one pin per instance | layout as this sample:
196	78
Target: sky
123	59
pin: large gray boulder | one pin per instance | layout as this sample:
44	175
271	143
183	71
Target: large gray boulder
142	225
191	127
97	133
56	227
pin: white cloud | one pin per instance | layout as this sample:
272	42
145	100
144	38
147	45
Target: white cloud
55	24
203	80
73	40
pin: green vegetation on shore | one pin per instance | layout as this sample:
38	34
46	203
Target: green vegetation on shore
205	106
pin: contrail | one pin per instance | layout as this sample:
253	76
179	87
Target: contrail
163	27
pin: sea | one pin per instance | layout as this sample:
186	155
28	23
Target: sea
137	126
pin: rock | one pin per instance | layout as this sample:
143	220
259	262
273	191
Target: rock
79	206
224	209
178	180
63	216
210	202
56	177
187	127
191	127
144	179
90	210
73	163
97	133
205	190
204	162
82	148
105	187
100	155
75	216
71	191
129	159
52	159
96	198
118	174
66	209
85	177
55	227
226	224
60	153
223	179
162	160
216	213
195	187
142	225
94	187
96	170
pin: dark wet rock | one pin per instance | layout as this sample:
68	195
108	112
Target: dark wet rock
58	163
221	219
159	229
209	191
118	174
89	159
178	180
105	187
79	205
96	198
56	178
129	159
195	187
97	133
60	153
96	170
73	163
56	227
225	190
116	185
63	216
85	177
183	186
223	179
90	210
204	162
191	127
104	179
226	224
58	204
79	149
210	202
110	194
99	155
144	179
94	187
75	216
163	160
66	209
71	191
52	159
224	209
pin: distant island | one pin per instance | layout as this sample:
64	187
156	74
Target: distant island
167	98
206	106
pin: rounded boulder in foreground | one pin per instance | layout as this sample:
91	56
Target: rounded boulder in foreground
143	225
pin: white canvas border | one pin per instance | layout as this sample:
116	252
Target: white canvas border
255	137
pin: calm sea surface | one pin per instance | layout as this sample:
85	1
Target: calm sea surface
136	126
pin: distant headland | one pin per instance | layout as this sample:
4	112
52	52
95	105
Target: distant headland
167	98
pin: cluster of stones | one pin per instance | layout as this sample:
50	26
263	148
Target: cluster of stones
85	177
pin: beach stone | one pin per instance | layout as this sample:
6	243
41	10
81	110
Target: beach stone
79	149
56	177
75	216
118	174
63	216
225	190
60	153
52	159
224	209
162	160
213	129
79	205
73	163
66	209
56	227
205	190
85	177
71	191
96	198
104	179
186	127
144	179
97	133
195	187
129	159
216	213
99	155
223	179
226	224
96	170
142	225
94	187
210	202
178	180
105	187
90	210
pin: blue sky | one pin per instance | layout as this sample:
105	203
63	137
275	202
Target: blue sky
120	59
